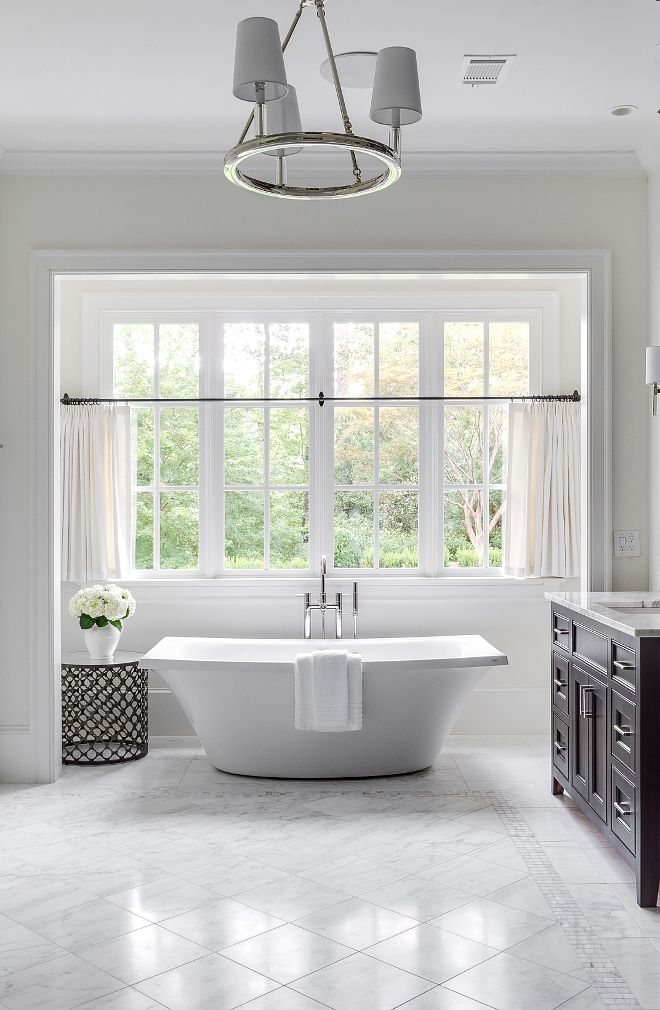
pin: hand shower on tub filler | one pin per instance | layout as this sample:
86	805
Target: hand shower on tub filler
323	606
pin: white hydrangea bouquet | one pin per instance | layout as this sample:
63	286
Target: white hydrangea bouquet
102	605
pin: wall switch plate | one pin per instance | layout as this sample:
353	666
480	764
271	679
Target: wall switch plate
626	543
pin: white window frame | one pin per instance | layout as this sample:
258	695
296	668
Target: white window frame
211	312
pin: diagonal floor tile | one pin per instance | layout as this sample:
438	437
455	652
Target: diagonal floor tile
142	953
284	999
352	874
125	999
441	998
290	898
60	984
490	923
357	923
508	983
525	895
431	953
219	925
607	915
360	982
20	948
418	898
287	953
551	949
229	874
474	875
163	898
84	925
211	983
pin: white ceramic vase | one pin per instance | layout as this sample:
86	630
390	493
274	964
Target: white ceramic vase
102	642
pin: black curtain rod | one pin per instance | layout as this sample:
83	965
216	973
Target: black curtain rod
573	397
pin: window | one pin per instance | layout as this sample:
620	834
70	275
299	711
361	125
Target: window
402	484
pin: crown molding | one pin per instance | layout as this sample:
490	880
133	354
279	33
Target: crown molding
415	163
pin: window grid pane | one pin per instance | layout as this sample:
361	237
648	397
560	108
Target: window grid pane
475	437
266	448
376	448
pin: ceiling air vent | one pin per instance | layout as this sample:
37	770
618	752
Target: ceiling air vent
476	71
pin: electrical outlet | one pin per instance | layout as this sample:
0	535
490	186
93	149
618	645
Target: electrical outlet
626	543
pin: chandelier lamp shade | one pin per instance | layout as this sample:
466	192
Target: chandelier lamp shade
260	78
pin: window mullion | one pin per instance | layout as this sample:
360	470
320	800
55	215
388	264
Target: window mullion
156	547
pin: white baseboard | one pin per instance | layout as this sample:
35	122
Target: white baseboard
510	711
15	755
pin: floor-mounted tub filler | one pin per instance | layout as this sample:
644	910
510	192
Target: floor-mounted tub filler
239	697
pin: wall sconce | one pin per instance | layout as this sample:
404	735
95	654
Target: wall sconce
653	373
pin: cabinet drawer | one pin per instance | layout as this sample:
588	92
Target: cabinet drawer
560	745
561	630
623	815
624	666
560	682
623	730
590	645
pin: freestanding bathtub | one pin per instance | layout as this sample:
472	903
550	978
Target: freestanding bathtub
239	697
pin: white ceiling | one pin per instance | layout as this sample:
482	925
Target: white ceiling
155	75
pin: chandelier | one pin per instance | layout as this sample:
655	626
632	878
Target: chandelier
260	78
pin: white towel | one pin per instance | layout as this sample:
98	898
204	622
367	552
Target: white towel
328	690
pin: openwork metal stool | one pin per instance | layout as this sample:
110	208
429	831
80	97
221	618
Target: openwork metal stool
105	716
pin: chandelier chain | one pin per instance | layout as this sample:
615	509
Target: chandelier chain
290	32
348	128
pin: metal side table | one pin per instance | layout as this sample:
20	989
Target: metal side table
105	716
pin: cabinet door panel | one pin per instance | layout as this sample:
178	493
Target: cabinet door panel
560	752
624	725
596	706
560	686
579	746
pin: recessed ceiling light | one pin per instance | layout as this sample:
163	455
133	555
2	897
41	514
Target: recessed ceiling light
623	110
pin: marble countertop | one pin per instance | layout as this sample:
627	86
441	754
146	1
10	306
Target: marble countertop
643	622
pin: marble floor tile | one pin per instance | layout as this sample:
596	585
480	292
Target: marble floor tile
551	949
360	982
503	853
290	898
211	983
287	953
222	924
31	900
229	874
133	957
506	982
163	898
83	925
473	875
20	948
431	953
124	999
357	923
352	874
571	863
418	897
492	924
409	855
525	895
59	984
607	915
284	998
638	960
442	998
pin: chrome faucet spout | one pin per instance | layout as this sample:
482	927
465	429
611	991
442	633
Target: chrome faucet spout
323	573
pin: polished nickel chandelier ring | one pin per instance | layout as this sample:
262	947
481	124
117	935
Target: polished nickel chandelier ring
337	141
260	78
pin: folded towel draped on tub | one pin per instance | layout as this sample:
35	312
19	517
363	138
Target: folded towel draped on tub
328	691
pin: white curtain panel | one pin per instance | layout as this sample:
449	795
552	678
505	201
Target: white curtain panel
95	446
542	533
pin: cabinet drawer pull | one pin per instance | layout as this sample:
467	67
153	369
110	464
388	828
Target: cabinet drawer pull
622	730
623	666
584	690
558	631
560	746
621	810
560	683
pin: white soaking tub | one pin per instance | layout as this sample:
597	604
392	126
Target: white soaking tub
239	697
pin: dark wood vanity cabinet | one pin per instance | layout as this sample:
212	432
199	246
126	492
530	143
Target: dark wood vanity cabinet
606	736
